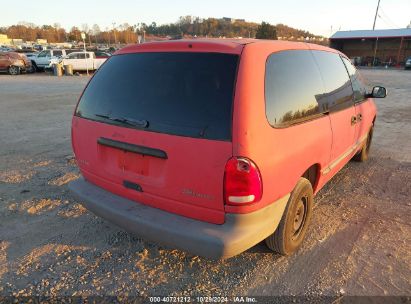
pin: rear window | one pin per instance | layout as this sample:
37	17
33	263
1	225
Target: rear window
186	94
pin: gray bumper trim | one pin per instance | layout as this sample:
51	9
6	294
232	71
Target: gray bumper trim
238	233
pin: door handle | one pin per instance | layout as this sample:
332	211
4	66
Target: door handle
359	117
353	120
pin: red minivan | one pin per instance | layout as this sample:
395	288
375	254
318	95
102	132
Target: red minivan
212	146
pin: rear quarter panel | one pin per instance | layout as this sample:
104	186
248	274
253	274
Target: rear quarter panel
282	155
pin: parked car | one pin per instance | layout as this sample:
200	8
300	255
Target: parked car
26	51
100	54
14	63
212	146
29	55
81	61
6	49
42	60
407	63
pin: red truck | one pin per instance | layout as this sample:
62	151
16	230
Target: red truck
212	146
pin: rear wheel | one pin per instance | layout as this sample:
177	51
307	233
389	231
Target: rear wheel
35	67
293	225
32	69
14	70
362	155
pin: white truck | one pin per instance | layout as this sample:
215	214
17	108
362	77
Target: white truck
81	61
42	60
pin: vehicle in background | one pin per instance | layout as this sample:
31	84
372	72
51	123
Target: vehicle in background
100	54
407	64
29	54
81	61
42	60
5	49
14	63
39	47
26	51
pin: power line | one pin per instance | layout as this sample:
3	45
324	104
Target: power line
386	22
388	18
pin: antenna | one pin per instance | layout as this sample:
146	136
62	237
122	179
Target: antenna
376	14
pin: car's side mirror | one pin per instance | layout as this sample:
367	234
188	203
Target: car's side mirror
378	92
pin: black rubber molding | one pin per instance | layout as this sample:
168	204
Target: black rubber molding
132	148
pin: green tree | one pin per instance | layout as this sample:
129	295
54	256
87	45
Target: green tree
266	31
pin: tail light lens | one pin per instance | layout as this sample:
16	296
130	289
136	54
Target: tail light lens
242	182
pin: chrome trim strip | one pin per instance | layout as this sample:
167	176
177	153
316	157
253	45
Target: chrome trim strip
331	166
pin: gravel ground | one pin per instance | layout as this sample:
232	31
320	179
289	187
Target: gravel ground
359	242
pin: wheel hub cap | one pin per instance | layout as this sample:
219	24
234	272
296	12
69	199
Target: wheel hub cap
299	217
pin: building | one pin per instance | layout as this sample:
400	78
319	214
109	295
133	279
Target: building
17	41
232	20
4	40
228	19
41	41
374	47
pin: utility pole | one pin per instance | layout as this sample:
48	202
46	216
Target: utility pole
83	36
114	31
373	28
376	14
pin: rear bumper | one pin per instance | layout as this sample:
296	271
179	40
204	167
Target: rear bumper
238	233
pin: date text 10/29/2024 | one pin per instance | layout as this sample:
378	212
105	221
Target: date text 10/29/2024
200	299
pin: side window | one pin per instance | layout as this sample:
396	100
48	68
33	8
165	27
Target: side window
356	80
57	53
81	56
294	91
337	84
44	54
72	56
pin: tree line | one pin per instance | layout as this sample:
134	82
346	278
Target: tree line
186	26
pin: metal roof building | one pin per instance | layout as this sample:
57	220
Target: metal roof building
374	47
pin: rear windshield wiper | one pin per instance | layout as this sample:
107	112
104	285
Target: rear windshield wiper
129	121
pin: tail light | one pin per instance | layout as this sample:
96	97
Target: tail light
242	182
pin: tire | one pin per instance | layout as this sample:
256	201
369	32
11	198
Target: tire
32	69
14	70
34	65
293	225
362	155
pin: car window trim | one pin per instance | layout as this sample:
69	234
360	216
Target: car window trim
355	101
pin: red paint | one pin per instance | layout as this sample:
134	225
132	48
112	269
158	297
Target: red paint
191	181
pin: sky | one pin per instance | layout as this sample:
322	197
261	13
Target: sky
321	17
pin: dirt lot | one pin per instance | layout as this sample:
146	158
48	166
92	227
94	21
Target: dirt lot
359	242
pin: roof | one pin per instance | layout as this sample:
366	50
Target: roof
391	33
207	45
241	41
215	45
